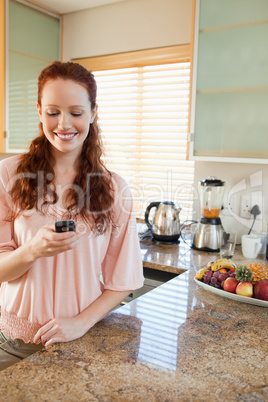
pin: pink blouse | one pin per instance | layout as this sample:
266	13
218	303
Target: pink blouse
65	285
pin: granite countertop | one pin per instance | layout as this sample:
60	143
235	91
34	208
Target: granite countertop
178	342
178	258
175	258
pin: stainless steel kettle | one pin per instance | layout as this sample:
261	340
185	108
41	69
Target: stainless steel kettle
165	223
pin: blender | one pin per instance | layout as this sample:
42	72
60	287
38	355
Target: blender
207	236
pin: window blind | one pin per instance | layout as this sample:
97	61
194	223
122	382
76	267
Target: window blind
143	113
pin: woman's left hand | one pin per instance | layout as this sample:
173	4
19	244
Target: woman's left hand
69	329
58	330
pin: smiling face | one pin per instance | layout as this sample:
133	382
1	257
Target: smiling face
66	115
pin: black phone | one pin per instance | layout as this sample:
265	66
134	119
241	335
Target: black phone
64	226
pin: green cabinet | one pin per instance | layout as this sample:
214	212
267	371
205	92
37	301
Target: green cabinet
229	110
33	42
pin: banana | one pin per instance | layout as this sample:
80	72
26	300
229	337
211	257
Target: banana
199	275
223	263
209	264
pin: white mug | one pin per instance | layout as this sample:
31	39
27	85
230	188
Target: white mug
263	237
251	246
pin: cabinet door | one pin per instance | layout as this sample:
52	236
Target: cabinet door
33	43
229	118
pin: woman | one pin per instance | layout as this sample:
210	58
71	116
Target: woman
51	290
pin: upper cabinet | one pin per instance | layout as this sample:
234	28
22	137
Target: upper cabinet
229	110
32	43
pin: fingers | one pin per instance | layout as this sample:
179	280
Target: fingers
52	341
57	330
49	232
38	336
67	237
67	242
50	333
48	243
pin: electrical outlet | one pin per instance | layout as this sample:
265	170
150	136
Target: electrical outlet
245	208
248	202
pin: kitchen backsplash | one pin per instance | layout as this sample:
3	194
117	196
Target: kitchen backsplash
243	183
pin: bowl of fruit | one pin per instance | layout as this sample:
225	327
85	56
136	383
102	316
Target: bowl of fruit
244	283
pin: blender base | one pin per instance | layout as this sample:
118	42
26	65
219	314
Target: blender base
207	236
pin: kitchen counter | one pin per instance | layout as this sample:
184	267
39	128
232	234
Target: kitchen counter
178	258
175	258
175	343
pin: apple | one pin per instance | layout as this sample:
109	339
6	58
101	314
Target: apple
223	270
261	289
230	285
244	289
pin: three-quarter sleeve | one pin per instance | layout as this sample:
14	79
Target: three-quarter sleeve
122	266
7	242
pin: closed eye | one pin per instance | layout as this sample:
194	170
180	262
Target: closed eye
57	113
52	113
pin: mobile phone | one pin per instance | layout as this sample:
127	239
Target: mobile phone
64	226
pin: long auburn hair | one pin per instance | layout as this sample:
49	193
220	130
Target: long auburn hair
91	195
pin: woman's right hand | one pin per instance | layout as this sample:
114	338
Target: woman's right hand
47	243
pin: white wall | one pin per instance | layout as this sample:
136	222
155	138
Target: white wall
241	179
140	24
126	26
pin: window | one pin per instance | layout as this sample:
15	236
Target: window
144	114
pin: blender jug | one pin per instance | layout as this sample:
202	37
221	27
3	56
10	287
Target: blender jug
211	197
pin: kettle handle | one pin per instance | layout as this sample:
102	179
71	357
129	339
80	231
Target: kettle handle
147	212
